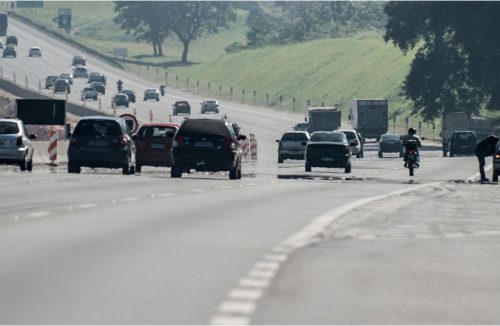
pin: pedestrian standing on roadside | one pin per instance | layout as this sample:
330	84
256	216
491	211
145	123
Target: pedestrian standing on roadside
484	148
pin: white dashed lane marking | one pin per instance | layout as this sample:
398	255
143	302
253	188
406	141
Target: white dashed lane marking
38	214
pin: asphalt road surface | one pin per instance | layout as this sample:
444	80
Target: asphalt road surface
280	246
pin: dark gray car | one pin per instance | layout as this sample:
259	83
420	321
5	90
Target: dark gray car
101	141
292	145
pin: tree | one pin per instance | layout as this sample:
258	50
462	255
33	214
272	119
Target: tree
145	20
457	61
190	19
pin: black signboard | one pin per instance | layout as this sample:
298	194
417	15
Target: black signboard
41	112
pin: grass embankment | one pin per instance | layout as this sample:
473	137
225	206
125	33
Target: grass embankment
331	71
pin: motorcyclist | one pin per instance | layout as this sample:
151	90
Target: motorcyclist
119	85
163	88
411	136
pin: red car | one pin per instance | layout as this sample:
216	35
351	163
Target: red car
153	142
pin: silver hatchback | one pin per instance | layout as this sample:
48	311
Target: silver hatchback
292	145
15	144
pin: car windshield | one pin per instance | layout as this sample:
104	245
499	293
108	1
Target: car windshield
8	128
211	102
328	137
295	136
102	128
156	132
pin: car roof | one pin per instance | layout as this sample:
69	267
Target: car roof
101	117
296	132
159	124
35	48
10	119
464	132
151	89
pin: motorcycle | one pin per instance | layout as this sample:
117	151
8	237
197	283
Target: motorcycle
162	90
412	156
119	85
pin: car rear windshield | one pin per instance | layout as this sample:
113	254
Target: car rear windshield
156	132
201	127
389	137
8	128
464	137
350	135
102	128
294	137
328	137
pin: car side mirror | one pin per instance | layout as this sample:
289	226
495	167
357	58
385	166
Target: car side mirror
354	143
277	140
242	137
32	136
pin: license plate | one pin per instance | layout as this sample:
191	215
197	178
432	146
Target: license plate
327	159
158	146
97	143
205	144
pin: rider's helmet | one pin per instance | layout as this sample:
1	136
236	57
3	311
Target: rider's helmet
412	131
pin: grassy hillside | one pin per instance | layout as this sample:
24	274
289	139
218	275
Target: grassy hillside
332	71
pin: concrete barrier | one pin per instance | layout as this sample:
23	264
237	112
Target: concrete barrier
41	153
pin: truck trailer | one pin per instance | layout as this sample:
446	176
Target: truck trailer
323	119
370	117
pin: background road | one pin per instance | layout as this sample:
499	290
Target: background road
104	248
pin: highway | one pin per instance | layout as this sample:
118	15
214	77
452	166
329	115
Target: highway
279	246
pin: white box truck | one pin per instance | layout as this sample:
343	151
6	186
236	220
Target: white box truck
370	117
323	119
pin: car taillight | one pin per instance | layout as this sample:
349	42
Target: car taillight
73	141
19	141
497	155
229	142
179	142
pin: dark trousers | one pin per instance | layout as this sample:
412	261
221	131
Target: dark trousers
482	163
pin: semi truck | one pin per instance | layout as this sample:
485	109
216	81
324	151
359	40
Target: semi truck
370	117
458	121
3	24
323	119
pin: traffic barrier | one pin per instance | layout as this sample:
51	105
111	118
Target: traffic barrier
134	110
99	101
245	147
53	146
150	115
26	80
253	147
14	76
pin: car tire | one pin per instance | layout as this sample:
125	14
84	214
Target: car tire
126	105
280	159
358	155
158	100
175	172
73	167
380	154
138	167
29	165
362	154
495	176
308	168
401	154
22	164
452	154
348	169
233	173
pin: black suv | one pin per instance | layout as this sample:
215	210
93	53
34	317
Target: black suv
206	145
101	141
9	51
463	143
181	107
61	86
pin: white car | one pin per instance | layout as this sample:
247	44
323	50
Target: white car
354	142
35	52
15	144
89	93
